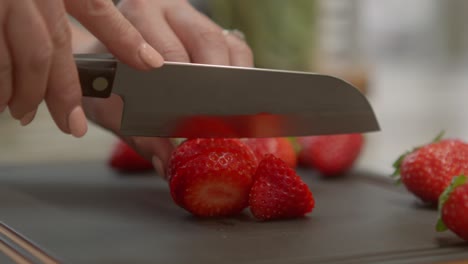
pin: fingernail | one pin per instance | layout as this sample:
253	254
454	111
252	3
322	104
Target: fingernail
77	122
234	32
150	56
2	108
158	166
28	118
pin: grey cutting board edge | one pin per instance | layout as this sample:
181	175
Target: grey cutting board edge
86	213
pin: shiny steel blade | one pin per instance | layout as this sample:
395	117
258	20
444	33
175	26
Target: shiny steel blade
195	100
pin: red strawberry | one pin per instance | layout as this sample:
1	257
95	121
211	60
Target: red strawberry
191	148
428	170
331	154
214	183
303	155
280	147
124	158
278	192
260	124
453	208
194	126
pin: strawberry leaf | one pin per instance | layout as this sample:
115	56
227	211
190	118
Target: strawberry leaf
177	141
441	227
439	136
295	144
397	166
456	181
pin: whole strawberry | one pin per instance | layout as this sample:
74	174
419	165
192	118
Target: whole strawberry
330	154
124	158
280	147
212	177
453	208
278	192
428	170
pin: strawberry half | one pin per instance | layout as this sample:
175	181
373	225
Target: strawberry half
191	148
124	158
453	208
428	170
278	192
280	147
214	184
331	154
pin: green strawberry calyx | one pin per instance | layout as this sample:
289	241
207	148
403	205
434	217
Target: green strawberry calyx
177	141
397	164
456	182
295	144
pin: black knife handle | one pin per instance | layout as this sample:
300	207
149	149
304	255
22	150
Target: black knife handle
96	73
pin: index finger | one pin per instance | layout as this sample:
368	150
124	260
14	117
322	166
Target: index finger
104	20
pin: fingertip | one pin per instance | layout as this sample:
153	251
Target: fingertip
150	56
77	122
239	51
28	118
158	166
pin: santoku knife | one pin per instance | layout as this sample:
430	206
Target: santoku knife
197	100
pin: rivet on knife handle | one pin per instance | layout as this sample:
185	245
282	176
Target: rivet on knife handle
96	73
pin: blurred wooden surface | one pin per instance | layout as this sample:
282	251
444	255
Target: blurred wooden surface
42	141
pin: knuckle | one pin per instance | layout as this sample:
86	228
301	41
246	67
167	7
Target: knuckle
61	36
137	4
174	52
127	35
242	48
132	9
213	39
99	7
41	57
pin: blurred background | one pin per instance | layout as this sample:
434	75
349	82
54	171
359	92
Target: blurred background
408	57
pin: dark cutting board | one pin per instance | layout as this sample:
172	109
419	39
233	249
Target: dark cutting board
85	213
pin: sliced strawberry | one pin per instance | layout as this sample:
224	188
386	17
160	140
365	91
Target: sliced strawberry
191	148
278	192
280	147
213	184
124	158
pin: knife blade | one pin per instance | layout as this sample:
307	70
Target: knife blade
197	100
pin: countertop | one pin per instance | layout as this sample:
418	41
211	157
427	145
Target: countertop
58	191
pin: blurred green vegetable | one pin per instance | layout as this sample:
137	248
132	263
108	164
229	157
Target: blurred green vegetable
280	32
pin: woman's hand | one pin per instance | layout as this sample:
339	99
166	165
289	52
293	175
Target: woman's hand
36	55
179	33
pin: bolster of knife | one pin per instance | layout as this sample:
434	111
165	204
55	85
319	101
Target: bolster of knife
96	73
